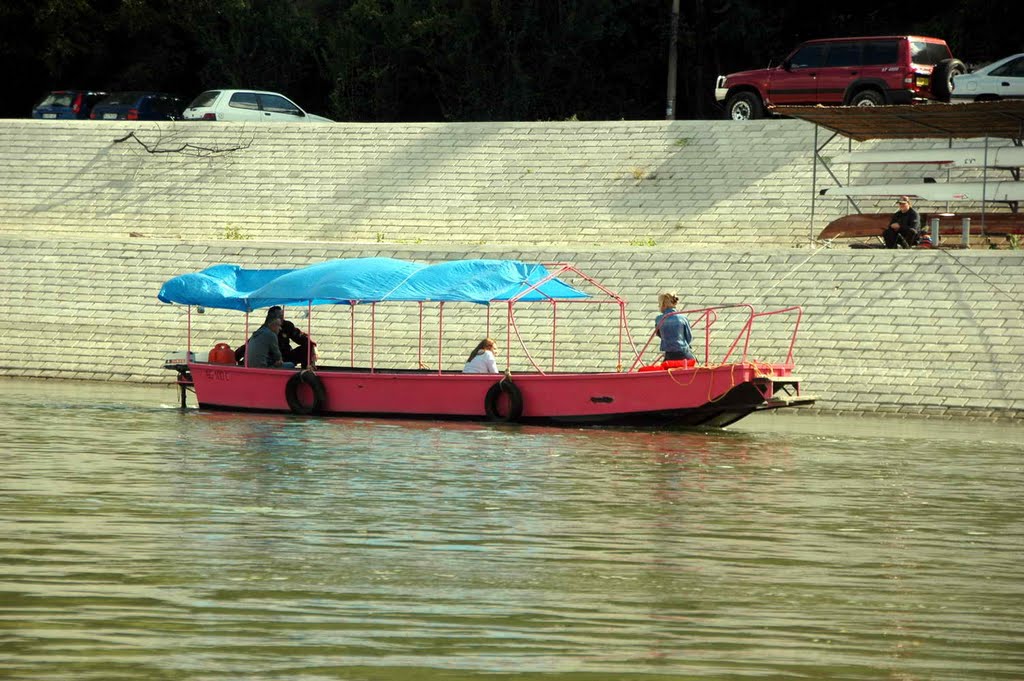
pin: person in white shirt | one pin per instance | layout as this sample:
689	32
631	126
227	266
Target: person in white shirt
481	360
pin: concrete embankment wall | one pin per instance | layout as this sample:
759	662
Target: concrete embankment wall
883	331
90	227
658	184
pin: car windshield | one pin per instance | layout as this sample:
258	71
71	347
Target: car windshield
1013	68
928	54
205	99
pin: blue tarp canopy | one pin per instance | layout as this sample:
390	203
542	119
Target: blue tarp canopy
364	280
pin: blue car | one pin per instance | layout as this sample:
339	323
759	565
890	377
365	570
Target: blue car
139	106
67	104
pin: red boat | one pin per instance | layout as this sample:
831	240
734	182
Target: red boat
727	383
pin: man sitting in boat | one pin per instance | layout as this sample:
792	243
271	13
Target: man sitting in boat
304	352
673	329
481	360
264	351
903	227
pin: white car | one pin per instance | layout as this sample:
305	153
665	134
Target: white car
248	105
1003	79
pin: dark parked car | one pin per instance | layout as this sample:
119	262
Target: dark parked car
139	106
67	104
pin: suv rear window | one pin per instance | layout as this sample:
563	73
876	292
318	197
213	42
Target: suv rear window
881	52
928	53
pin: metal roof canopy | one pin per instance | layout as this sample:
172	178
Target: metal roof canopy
1001	119
1004	119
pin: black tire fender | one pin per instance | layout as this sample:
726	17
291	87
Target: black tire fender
515	401
291	392
942	77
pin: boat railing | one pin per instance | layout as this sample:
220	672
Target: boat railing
706	318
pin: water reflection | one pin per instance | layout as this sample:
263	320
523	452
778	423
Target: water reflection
141	541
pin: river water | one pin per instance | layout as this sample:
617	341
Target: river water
139	541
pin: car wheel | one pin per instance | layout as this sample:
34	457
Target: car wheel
744	106
867	98
942	77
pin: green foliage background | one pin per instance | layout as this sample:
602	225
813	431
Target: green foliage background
449	60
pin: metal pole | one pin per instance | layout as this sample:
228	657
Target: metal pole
814	179
935	232
965	233
554	331
949	174
440	336
673	58
984	188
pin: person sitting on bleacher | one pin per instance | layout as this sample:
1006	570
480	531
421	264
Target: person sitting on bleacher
902	231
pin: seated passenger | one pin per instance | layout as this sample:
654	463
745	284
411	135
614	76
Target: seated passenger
481	360
673	329
303	354
264	351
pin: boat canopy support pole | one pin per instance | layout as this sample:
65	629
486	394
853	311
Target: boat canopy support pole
419	340
622	325
440	336
309	332
554	331
508	337
352	334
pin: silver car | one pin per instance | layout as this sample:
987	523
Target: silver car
254	106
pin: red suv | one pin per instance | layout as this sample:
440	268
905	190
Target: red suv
845	71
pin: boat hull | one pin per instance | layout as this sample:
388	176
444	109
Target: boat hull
714	396
860	225
993	157
935	191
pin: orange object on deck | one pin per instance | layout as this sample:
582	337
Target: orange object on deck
670	364
222	354
678	363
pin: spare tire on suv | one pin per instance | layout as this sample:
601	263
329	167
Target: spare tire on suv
942	78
